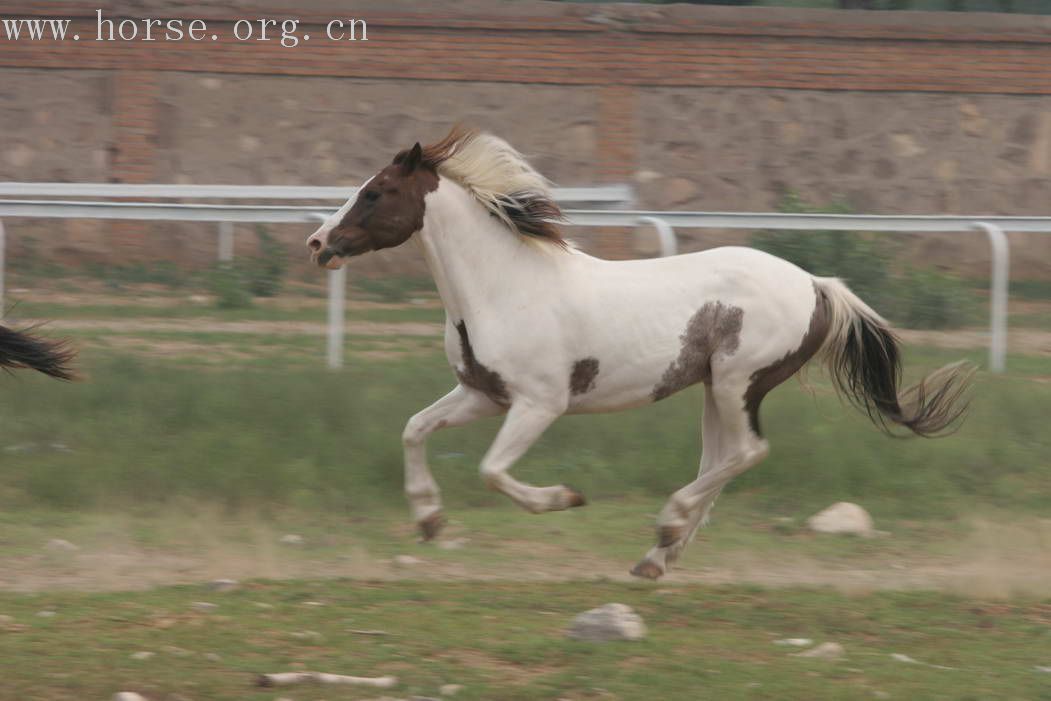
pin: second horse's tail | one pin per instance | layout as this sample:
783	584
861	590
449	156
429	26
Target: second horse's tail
21	349
864	358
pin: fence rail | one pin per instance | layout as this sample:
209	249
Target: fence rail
993	227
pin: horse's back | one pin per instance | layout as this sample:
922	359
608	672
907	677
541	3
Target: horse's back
658	325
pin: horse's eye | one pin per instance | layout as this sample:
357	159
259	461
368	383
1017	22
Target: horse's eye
372	195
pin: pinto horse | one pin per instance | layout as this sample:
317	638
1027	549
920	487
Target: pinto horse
536	329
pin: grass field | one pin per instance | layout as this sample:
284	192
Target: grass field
200	436
505	641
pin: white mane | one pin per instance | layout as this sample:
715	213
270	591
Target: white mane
495	173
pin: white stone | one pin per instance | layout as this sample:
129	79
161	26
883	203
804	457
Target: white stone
450	689
128	696
141	655
204	606
60	545
826	651
291	539
406	560
453	544
795	642
1045	670
45	614
609	622
842	517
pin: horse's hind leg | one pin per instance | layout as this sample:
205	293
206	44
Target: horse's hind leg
460	406
659	557
739	447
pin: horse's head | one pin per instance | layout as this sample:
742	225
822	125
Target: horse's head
386	211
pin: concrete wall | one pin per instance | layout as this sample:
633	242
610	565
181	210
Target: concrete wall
699	107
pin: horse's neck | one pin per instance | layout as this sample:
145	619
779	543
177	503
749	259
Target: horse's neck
476	263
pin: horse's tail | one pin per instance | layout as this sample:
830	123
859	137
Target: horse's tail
21	349
864	358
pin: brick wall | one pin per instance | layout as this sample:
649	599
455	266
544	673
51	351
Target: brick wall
713	107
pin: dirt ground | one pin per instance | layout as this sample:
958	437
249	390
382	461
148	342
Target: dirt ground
995	559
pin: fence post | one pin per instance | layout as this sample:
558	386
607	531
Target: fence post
998	290
3	263
665	234
226	241
337	290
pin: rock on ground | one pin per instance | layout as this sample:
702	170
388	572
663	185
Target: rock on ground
128	696
843	517
609	622
827	651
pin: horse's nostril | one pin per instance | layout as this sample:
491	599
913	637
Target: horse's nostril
314	244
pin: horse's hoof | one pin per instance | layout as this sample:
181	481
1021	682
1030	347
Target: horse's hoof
431	526
574	498
668	536
647	570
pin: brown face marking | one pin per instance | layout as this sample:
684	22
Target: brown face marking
389	209
582	379
477	376
715	328
765	379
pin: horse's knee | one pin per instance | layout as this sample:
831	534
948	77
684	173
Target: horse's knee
417	430
490	477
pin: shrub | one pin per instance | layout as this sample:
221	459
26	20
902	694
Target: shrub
265	272
228	283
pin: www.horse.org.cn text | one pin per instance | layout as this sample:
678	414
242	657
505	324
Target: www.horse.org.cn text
286	32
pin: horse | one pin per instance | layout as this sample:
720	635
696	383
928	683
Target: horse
24	349
536	328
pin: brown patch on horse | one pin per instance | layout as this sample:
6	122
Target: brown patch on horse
388	210
477	376
715	328
765	379
582	379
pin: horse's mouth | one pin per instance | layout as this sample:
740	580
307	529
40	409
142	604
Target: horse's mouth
328	259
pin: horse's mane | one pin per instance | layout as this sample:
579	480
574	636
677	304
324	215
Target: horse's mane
501	179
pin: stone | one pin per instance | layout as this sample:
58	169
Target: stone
142	655
825	651
204	606
450	689
291	539
128	696
905	146
610	622
843	517
795	642
407	561
45	614
60	545
453	544
678	191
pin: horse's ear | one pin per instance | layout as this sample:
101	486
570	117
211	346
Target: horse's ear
412	159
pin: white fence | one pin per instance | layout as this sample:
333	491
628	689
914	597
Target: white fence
613	197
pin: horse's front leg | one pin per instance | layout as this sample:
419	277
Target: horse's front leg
460	406
524	424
